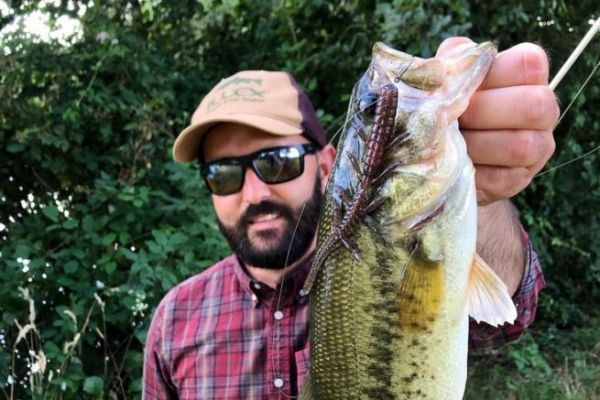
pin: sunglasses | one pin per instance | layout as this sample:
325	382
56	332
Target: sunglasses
272	165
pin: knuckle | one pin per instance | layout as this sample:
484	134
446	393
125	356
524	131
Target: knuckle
539	111
525	149
484	197
506	181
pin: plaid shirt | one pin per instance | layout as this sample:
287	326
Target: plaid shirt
221	335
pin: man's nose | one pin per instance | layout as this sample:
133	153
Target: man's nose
254	190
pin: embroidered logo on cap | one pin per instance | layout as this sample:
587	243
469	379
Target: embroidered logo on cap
236	89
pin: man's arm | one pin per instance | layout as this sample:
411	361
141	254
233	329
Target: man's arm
500	242
155	382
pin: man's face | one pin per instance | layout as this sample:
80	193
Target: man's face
261	220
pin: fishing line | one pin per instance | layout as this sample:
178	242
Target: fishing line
579	91
569	162
589	77
558	77
337	132
348	118
277	332
575	54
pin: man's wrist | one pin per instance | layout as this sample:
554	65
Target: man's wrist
500	242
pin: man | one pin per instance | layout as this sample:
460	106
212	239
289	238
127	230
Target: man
239	329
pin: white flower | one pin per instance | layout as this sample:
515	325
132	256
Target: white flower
102	37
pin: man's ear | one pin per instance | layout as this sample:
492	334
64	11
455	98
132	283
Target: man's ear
326	156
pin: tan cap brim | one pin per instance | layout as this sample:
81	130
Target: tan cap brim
187	144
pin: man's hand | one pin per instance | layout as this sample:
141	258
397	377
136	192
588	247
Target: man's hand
508	124
508	129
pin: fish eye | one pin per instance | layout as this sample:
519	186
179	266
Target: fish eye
367	103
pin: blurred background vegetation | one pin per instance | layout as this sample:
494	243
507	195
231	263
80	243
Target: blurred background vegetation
97	222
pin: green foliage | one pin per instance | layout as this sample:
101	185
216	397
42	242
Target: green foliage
100	223
546	364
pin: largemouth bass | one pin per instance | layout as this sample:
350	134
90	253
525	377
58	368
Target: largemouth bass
395	275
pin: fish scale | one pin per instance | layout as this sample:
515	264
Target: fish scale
391	285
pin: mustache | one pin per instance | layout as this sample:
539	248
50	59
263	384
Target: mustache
265	207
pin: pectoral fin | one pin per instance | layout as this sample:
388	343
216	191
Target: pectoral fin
421	293
488	299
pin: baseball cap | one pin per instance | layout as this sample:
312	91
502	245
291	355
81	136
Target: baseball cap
270	101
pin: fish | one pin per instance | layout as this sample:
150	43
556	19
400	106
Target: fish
395	274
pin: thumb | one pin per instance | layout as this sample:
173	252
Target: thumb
452	45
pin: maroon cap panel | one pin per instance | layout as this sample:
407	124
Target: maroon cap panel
312	127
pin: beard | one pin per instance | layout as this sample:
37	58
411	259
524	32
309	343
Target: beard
286	246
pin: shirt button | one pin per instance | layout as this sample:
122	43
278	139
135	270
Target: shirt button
256	285
278	315
278	382
302	292
254	298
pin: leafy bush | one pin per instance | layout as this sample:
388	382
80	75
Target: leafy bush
98	222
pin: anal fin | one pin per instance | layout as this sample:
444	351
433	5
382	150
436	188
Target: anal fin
487	298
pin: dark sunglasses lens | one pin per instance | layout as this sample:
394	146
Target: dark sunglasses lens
280	165
223	179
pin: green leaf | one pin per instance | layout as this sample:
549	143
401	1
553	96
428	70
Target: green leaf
71	266
88	223
109	239
15	147
110	267
51	212
93	385
70	223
